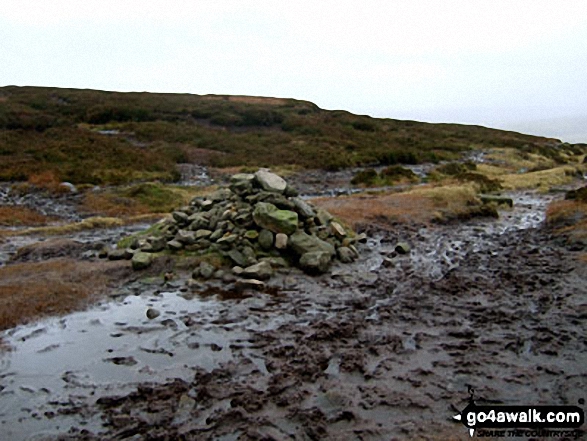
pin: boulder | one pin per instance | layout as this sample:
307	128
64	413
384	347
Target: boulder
323	216
206	270
186	237
260	271
337	230
303	243
270	181
180	217
265	239
244	284
303	208
268	216
202	234
120	254
345	255
141	260
237	257
315	262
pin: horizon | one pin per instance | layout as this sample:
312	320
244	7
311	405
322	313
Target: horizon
496	64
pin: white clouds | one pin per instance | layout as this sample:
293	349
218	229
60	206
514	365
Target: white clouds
408	58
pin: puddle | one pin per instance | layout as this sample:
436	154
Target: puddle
108	348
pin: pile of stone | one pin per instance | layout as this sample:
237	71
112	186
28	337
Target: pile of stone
260	224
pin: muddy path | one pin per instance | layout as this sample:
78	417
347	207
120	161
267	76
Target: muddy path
385	348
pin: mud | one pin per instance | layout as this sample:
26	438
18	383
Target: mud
385	348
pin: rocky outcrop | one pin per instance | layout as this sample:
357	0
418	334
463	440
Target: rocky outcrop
258	224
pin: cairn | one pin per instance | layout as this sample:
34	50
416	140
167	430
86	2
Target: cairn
259	223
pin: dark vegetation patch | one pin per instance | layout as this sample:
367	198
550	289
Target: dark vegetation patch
393	174
87	136
141	198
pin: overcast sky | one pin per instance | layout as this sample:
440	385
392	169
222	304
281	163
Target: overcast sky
518	64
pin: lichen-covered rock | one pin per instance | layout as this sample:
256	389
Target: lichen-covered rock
141	260
268	216
315	262
265	239
303	243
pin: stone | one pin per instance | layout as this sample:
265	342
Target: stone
221	194
202	234
303	243
206	270
154	244
237	257
303	208
323	216
227	239
388	262
260	271
197	221
141	260
228	277
361	238
239	177
345	255
152	313
315	262
244	284
265	239
354	250
186	237
270	181
237	270
337	230
268	216
402	248
174	245
68	186
206	204
276	262
251	234
120	254
180	217
250	255
217	234
281	241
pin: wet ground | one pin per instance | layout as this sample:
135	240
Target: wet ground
382	349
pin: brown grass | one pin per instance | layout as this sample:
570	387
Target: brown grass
379	209
86	224
48	181
15	216
59	286
421	206
568	217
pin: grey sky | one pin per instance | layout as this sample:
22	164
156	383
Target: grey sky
518	64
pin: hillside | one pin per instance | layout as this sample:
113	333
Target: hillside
97	137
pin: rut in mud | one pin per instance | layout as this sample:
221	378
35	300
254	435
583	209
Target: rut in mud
384	348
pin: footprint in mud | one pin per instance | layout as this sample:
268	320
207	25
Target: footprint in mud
122	361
